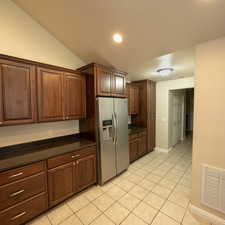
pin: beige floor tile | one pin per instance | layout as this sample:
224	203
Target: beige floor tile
174	211
161	191
167	183
72	221
145	212
133	220
59	214
179	199
107	186
103	202
126	185
116	192
102	220
154	200
78	202
153	178
190	219
138	192
134	178
183	190
148	185
41	220
117	213
141	172
162	219
88	214
129	201
93	193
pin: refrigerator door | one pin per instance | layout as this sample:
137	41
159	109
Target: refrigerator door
106	132
122	147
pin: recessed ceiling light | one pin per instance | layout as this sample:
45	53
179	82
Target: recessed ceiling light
117	38
164	71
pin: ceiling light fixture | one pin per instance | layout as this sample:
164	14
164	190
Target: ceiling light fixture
117	38
164	71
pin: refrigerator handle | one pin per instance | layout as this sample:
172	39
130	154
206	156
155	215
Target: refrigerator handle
114	128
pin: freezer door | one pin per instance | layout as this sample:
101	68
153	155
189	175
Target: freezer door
107	154
122	147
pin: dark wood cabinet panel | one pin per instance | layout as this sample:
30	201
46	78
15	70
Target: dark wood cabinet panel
119	85
17	93
50	95
104	81
60	183
133	147
142	146
133	100
85	172
75	96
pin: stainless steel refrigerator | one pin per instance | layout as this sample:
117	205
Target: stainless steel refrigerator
112	123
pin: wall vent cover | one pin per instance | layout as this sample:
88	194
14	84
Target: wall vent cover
213	188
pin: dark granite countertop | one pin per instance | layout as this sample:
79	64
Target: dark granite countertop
22	154
134	130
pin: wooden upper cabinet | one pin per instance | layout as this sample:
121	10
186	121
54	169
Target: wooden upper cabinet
133	99
17	93
119	85
75	96
50	95
103	82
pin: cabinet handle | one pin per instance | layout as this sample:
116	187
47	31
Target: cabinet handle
18	216
16	175
75	156
16	193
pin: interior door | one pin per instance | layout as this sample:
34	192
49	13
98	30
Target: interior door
17	93
122	147
106	135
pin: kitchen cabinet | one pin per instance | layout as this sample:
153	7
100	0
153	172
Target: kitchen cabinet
71	173
137	145
60	183
85	172
60	96
50	95
75	96
17	93
133	99
108	81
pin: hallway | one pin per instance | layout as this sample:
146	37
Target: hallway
155	190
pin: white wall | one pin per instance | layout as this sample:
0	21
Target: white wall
209	111
22	37
162	108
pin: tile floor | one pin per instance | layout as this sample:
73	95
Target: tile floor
154	190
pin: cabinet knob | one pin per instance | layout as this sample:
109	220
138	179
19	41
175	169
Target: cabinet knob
75	156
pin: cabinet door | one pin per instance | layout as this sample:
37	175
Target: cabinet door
50	95
17	93
136	100
119	85
85	172
142	146
75	96
103	82
60	183
133	100
133	147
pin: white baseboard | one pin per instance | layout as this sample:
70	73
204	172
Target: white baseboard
163	150
206	215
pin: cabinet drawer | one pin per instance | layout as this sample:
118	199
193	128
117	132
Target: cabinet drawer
21	172
133	136
24	211
67	158
18	191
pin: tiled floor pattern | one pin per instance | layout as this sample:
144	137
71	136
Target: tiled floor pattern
154	190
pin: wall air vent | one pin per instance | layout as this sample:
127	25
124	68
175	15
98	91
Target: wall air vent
213	188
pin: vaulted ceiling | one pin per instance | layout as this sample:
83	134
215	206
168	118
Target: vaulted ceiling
150	28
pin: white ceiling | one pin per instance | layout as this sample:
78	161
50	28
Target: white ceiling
150	29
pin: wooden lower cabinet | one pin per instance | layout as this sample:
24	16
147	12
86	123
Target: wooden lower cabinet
138	146
85	172
70	178
60	183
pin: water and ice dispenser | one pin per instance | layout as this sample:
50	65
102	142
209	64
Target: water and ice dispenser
107	129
